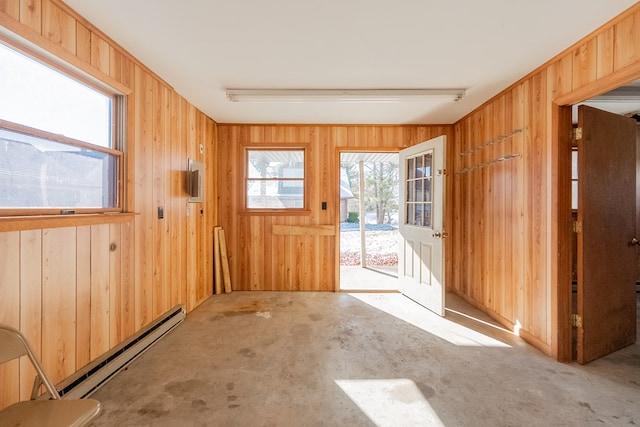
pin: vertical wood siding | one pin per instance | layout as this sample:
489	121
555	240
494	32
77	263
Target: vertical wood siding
73	297
512	218
77	292
260	260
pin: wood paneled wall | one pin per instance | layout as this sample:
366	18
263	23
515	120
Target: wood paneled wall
75	298
511	230
509	220
77	291
262	260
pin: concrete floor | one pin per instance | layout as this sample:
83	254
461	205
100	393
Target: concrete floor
338	359
374	279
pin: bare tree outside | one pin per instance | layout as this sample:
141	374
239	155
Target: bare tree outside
380	220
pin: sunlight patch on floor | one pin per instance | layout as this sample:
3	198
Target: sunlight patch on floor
391	402
409	311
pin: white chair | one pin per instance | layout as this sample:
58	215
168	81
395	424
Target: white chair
53	412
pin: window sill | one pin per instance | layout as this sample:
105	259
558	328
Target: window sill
34	222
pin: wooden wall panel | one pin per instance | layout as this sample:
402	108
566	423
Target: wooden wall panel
100	290
508	232
260	260
10	310
11	8
123	255
83	43
48	298
604	54
31	14
30	303
585	59
115	285
58	26
83	296
626	48
100	53
59	303
77	292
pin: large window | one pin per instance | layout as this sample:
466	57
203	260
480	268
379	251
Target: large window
275	179
58	147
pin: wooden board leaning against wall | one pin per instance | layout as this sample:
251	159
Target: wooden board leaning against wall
78	289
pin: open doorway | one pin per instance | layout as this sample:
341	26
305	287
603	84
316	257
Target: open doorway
605	305
368	221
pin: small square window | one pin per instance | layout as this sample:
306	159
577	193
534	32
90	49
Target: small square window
275	178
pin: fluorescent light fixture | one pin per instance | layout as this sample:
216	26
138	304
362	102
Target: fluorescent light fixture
343	95
622	94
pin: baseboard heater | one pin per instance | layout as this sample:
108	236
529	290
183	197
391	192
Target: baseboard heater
86	381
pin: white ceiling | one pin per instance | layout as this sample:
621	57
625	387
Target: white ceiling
202	47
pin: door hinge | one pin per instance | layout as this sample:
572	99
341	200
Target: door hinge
577	227
442	172
576	134
576	321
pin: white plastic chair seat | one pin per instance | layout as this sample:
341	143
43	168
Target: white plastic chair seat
50	413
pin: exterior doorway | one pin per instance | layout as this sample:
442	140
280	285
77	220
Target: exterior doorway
369	221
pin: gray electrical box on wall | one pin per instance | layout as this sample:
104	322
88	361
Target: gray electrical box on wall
195	181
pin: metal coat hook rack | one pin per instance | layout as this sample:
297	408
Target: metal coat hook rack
498	140
486	164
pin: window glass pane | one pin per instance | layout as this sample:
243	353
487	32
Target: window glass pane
418	190
419	166
268	194
426	185
410	219
38	173
276	164
275	179
426	215
417	220
410	191
427	162
410	169
37	96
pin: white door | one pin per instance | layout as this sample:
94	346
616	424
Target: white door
421	254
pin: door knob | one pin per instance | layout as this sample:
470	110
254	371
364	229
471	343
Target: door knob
635	241
437	235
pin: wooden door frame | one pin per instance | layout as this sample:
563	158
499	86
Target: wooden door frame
562	233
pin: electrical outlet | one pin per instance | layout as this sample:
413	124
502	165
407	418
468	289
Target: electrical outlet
324	206
160	212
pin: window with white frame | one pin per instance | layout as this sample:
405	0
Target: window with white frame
58	145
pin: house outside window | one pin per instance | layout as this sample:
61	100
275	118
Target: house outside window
275	179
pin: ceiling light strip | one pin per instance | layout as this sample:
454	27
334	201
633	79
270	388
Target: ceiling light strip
343	95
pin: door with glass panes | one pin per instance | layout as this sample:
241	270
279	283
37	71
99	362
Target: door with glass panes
421	250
